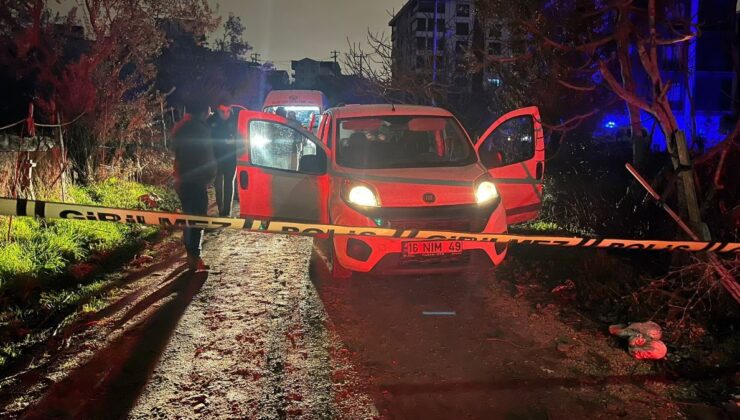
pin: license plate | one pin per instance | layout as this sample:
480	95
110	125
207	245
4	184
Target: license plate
431	248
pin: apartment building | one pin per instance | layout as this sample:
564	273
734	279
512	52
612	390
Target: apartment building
434	42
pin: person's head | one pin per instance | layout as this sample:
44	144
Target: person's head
223	111
378	136
281	112
356	138
198	109
291	115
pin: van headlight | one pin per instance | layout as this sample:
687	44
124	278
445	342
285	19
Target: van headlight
362	196
485	192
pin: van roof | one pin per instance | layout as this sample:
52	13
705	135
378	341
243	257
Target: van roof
295	97
356	111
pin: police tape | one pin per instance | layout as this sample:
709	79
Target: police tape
52	210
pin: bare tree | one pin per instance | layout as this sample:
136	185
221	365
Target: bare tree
107	85
374	62
588	39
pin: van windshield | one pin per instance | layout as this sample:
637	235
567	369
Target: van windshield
303	113
402	142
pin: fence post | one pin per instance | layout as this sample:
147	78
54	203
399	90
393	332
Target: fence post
64	158
164	124
685	172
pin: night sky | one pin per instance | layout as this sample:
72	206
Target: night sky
284	30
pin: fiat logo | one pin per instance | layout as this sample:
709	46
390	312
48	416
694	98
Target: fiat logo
429	198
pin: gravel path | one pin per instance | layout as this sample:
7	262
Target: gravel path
254	342
267	335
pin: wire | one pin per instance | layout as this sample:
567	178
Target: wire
59	125
13	125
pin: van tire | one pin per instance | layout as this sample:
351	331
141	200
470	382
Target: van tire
338	271
330	266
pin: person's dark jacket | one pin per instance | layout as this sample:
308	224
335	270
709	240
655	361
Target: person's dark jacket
223	134
194	161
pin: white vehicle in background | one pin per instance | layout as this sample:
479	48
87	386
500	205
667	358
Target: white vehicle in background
308	105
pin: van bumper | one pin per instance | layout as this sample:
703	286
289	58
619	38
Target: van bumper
383	255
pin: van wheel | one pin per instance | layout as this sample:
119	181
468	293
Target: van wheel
332	267
338	271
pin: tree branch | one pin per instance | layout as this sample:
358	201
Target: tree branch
588	47
621	91
681	39
578	88
572	123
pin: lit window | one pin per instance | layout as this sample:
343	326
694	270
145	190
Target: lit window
494	81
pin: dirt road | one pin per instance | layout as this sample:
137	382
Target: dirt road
267	334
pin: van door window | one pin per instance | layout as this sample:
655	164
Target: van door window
512	142
277	146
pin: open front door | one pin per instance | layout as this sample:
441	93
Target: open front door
281	170
513	151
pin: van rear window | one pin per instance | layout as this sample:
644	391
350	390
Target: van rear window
301	113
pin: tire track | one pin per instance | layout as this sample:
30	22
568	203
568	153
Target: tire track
254	343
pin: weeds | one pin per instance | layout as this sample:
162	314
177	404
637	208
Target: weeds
588	192
37	283
15	262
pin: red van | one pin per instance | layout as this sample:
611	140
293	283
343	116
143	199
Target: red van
394	166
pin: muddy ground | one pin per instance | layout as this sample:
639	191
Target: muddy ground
267	334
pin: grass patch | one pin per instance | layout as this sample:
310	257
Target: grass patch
37	287
44	249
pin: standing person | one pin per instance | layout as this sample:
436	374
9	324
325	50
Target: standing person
223	134
194	171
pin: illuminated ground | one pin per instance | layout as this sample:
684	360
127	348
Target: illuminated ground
266	336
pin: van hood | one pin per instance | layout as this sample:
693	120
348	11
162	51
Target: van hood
412	187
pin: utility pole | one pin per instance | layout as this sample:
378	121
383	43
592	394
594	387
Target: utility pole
361	57
256	58
434	37
335	55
